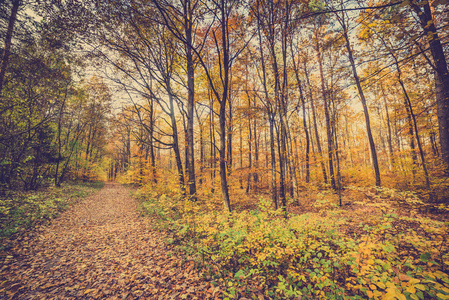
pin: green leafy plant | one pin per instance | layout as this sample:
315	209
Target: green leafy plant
310	255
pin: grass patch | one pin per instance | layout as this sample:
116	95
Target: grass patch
20	211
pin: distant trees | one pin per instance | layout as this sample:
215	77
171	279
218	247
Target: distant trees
259	92
281	75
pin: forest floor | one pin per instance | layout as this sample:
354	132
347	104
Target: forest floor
103	248
99	248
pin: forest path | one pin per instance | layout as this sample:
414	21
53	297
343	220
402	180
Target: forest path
101	248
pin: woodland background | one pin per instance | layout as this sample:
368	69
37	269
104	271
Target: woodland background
273	109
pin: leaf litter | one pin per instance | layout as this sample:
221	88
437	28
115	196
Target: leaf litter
100	248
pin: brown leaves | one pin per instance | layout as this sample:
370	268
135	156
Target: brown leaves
100	248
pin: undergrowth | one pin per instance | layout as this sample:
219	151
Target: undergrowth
22	210
330	254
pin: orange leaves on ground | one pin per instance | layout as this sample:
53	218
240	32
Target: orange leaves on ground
100	249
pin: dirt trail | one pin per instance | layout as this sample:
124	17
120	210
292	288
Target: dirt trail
100	248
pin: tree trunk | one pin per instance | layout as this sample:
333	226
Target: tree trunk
61	111
303	104
364	105
270	116
176	143
151	144
241	156
441	75
410	134
250	150
8	38
337	156
414	126
327	119
273	163
256	153
389	140
229	139
201	154
223	102
190	153
222	153
315	125
212	145
280	143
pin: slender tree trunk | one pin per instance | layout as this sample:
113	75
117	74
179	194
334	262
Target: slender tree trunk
337	156
176	143
61	111
201	154
72	150
229	139
285	129
222	153
273	162
292	164
411	135
151	143
306	131
280	143
421	151
303	104
8	39
432	135
256	154
241	156
414	126
223	103
250	141
364	105
327	119
212	145
270	115
266	149
389	140
315	123
190	157
348	141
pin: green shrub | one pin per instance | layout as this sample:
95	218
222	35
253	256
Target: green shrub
22	210
311	255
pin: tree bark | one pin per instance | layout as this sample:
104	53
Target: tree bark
389	139
222	153
364	105
176	142
278	100
274	195
303	104
250	150
256	153
441	75
8	39
61	111
327	119
150	141
212	145
413	125
315	125
190	157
